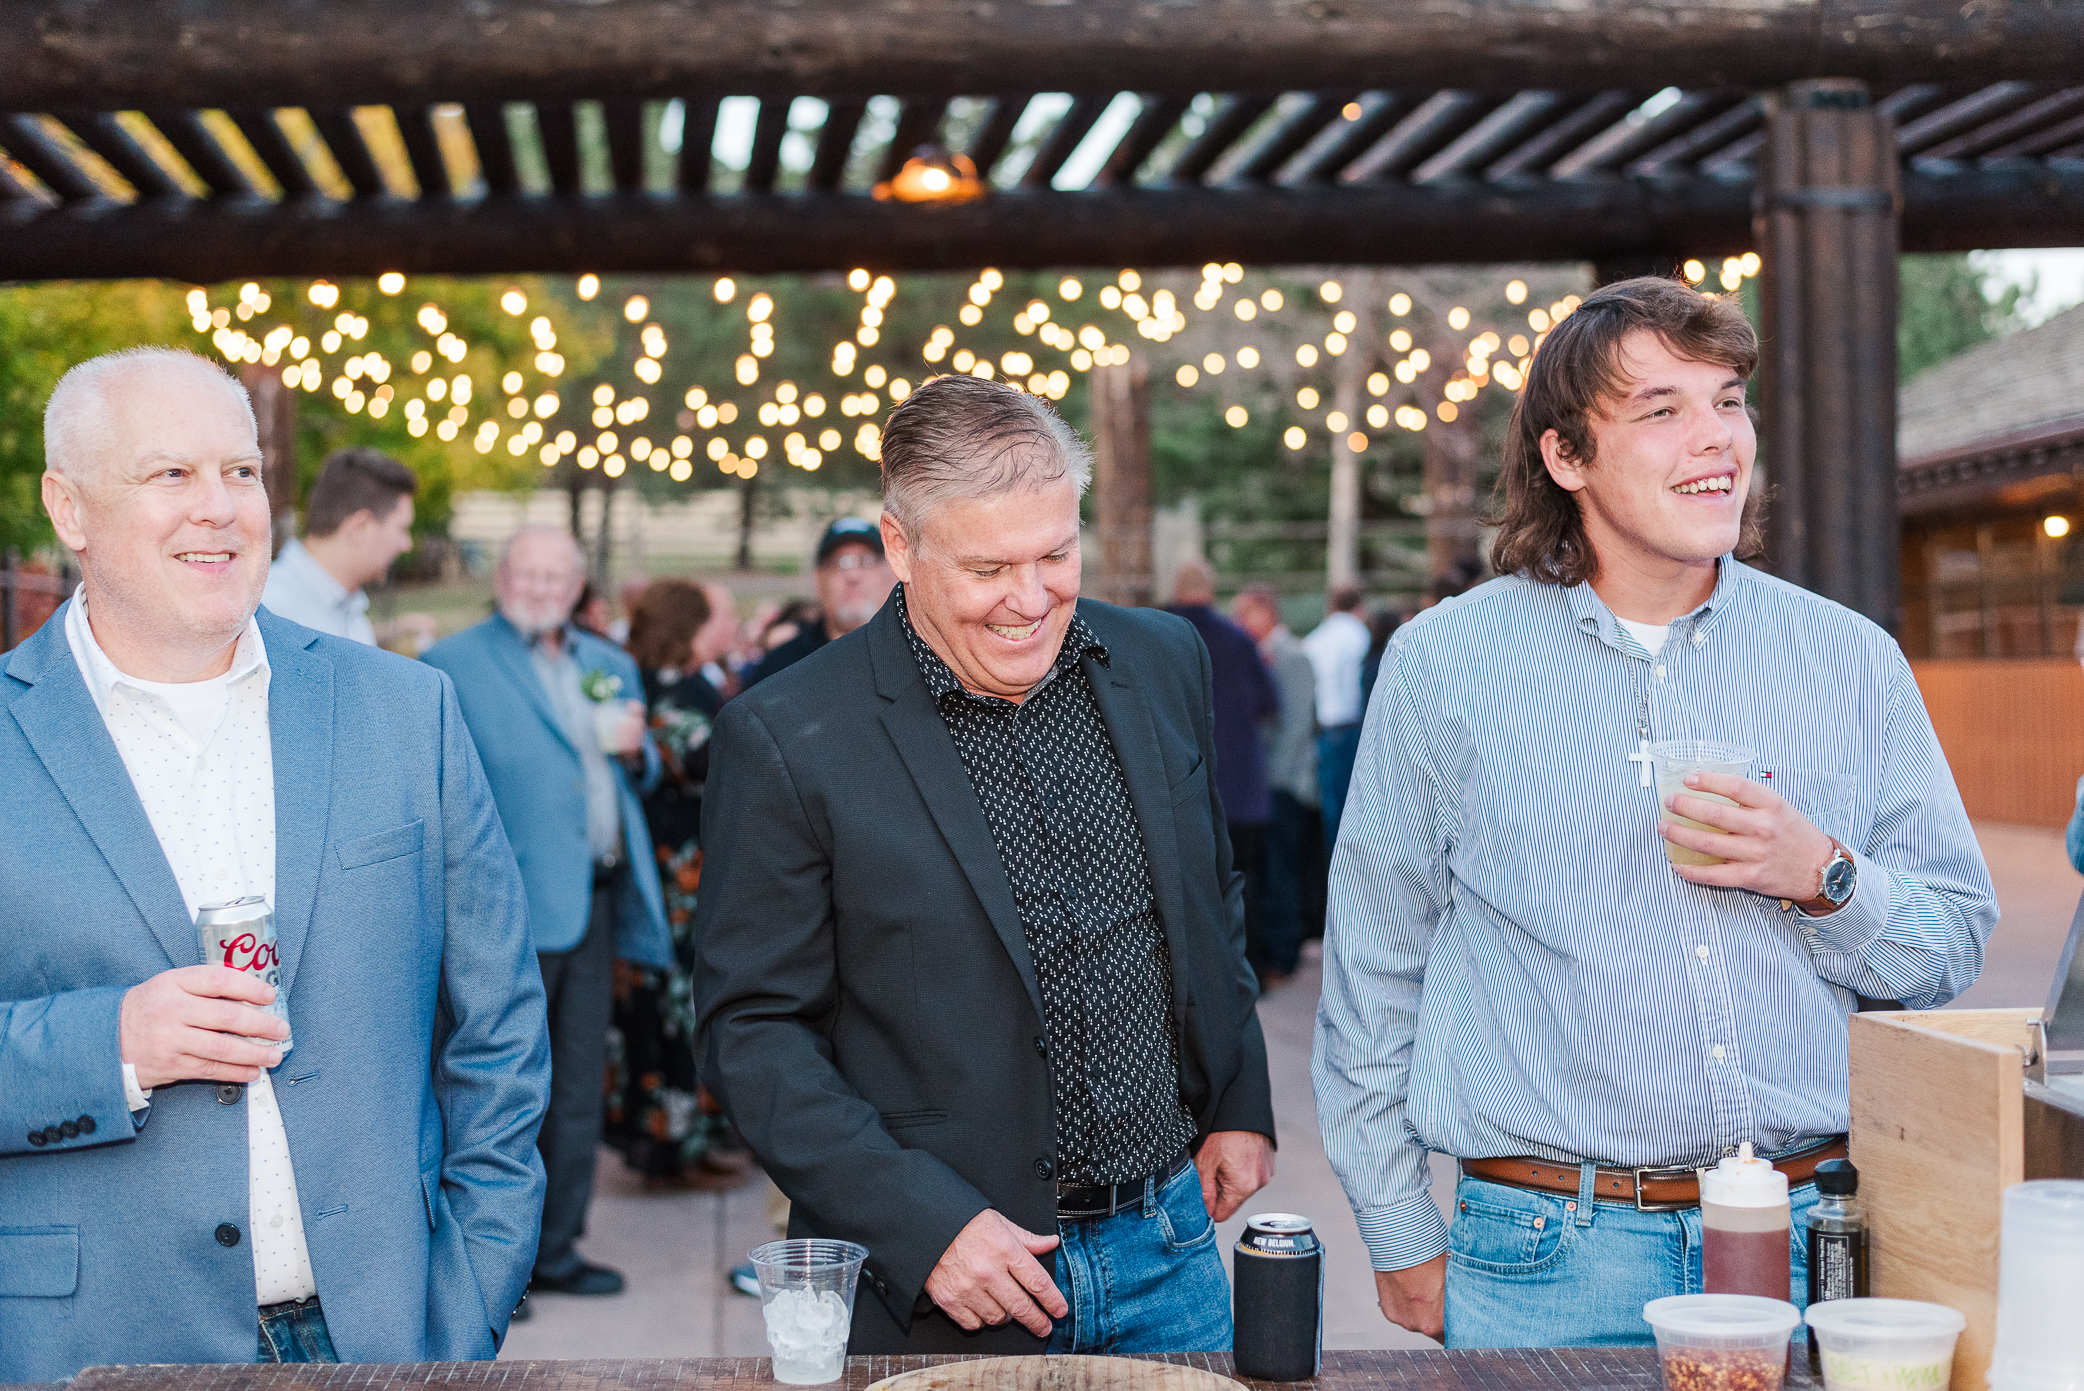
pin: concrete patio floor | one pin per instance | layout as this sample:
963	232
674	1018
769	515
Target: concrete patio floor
676	1248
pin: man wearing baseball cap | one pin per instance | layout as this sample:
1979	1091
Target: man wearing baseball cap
853	581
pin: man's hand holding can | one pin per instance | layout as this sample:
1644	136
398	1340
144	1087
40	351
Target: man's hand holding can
200	1023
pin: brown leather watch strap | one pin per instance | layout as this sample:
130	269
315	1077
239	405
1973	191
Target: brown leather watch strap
1652	1187
1818	906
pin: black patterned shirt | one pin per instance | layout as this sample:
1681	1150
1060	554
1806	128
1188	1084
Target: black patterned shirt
1053	794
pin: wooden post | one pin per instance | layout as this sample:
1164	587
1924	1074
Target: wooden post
1828	205
1121	429
604	547
746	521
275	421
1342	533
1453	453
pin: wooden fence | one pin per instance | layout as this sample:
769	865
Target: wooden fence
2013	732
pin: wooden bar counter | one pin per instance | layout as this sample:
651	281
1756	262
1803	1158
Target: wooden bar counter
1538	1369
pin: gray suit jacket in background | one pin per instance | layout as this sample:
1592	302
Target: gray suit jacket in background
868	1008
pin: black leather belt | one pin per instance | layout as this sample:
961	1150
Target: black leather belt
1077	1201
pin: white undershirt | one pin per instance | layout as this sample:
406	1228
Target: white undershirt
200	757
1650	635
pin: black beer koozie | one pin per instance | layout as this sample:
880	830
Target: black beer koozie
1278	1308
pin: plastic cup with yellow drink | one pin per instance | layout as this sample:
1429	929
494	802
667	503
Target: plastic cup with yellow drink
1674	759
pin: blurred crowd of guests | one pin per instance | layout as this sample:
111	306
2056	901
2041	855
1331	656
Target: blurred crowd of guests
594	729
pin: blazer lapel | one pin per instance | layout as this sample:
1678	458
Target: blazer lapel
513	655
300	739
929	755
1126	713
66	730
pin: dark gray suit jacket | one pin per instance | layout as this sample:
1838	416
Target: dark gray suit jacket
868	1009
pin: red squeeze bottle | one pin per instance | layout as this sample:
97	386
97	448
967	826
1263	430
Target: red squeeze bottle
1744	1219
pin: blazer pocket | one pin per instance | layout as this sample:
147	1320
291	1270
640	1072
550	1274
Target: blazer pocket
39	1262
1194	783
911	1120
393	844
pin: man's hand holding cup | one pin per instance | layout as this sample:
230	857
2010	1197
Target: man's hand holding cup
1766	846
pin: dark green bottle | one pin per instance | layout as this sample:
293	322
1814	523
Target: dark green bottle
1837	1242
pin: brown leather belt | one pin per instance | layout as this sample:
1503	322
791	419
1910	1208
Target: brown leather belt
1652	1188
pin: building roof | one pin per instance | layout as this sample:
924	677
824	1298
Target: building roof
1996	425
2015	385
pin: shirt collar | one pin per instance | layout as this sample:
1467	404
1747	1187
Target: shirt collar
941	680
1591	614
102	676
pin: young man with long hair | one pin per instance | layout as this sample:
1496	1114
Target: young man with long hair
1514	972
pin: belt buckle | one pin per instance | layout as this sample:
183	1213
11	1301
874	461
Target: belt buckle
1661	1171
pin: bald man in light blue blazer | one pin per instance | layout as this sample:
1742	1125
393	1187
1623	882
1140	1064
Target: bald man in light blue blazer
410	1100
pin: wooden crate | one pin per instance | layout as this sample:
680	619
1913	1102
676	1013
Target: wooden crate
1938	1134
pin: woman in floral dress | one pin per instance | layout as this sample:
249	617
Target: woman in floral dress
658	1115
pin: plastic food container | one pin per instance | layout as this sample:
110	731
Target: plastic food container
1886	1344
1722	1342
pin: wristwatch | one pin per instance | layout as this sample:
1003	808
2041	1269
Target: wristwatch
1839	875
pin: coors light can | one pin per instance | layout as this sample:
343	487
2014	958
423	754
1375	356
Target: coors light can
241	935
1278	1314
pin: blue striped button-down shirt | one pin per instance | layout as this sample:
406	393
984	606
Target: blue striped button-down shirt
1511	965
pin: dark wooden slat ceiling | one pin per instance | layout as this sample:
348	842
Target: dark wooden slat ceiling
1548	173
1093	176
221	53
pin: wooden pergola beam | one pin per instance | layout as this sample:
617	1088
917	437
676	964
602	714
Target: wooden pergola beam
201	53
1372	224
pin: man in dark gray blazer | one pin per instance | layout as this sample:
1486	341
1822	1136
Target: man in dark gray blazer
971	973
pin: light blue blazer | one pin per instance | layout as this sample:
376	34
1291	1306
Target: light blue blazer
421	1067
541	790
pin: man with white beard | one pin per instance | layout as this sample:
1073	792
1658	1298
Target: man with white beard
560	729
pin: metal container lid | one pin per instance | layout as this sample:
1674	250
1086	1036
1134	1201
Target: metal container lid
1285	1223
255	904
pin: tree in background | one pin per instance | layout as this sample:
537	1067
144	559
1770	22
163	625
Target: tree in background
386	349
45	330
1945	306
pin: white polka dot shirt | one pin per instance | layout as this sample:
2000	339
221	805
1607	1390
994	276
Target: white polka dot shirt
200	758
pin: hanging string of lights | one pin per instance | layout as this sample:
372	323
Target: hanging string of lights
440	400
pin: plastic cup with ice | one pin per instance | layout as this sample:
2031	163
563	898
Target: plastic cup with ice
807	1296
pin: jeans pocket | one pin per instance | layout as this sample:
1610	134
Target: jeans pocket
1182	1216
1506	1231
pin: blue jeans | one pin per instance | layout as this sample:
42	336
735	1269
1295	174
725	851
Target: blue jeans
1337	748
1528	1269
296	1335
1148	1279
